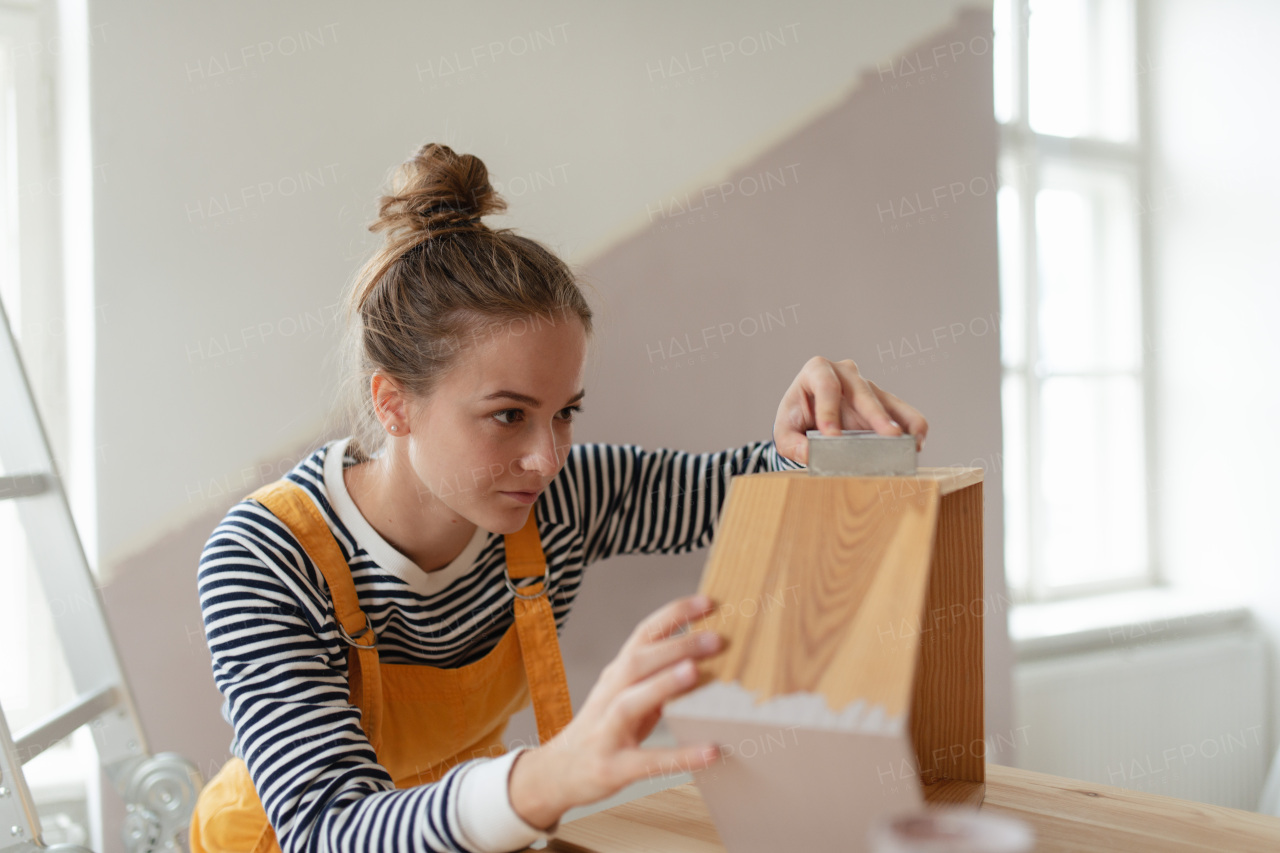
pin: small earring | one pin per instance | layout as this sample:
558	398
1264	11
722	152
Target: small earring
394	427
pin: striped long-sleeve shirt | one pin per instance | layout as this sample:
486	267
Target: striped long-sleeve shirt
282	668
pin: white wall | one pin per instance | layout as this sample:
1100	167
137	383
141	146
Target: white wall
1217	264
180	281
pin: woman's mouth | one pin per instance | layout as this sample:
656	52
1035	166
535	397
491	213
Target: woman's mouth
523	497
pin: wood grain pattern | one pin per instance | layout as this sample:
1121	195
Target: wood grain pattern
947	725
948	479
955	792
1068	816
812	574
674	819
1071	815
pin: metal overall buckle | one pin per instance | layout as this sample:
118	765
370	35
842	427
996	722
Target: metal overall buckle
367	629
546	584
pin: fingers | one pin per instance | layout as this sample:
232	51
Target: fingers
648	659
838	390
827	389
671	616
635	703
831	396
655	645
647	763
903	413
655	665
864	399
789	426
645	651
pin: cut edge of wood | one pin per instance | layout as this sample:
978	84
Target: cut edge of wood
948	479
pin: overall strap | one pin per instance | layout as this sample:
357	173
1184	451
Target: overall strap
291	504
536	627
534	620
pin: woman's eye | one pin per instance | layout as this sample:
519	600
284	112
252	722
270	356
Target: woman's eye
510	417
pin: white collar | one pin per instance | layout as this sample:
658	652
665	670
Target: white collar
384	554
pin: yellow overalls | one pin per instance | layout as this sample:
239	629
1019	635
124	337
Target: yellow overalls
421	720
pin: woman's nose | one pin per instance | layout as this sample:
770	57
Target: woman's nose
542	458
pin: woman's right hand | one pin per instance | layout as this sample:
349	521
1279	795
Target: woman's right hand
598	753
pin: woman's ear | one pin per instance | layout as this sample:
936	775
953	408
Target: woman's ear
390	404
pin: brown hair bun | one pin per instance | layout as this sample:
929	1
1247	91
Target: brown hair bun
436	192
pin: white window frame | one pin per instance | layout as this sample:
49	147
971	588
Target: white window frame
45	207
34	299
1023	150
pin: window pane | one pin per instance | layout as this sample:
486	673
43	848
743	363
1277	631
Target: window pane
1004	58
1017	522
9	290
1092	480
1013	288
1081	68
1087	252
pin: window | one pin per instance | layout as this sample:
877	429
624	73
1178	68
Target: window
1068	99
34	680
32	676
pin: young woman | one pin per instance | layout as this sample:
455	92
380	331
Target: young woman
377	615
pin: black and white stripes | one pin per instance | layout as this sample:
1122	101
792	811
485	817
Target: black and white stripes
282	668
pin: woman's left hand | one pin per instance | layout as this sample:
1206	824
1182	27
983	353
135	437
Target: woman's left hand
833	395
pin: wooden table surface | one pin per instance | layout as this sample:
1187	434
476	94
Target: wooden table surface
1066	814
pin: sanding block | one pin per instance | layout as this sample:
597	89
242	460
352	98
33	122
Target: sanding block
861	453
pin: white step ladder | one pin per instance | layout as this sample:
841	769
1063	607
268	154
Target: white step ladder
159	791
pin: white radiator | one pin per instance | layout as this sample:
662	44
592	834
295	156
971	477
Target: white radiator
1180	716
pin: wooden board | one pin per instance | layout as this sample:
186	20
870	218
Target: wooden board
948	479
947	725
955	792
812	574
1068	816
826	586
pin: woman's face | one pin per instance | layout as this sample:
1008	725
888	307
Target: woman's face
501	420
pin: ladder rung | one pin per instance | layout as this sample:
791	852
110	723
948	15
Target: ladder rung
35	740
24	485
